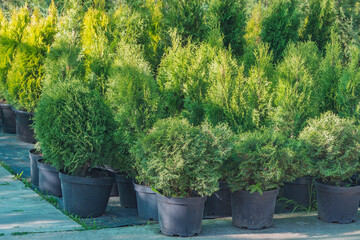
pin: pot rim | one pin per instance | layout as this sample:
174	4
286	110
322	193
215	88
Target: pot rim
265	194
336	189
180	201
86	180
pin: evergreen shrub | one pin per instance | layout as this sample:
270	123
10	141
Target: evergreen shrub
180	160
262	160
75	128
133	95
334	147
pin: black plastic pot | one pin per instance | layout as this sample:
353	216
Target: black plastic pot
146	202
85	197
49	181
114	190
8	119
180	216
24	131
126	190
219	204
34	158
299	190
337	204
253	211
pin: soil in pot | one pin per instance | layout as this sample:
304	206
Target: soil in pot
8	120
253	211
219	204
146	202
180	216
24	131
34	158
337	204
49	181
86	196
300	190
126	190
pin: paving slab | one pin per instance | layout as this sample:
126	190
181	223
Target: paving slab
23	210
285	226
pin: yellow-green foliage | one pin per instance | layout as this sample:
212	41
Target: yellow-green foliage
11	34
64	61
96	46
183	79
27	71
224	99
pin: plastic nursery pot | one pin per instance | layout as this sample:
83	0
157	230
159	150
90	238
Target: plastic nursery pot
253	211
126	190
299	190
146	202
85	197
114	190
49	181
24	132
8	119
180	216
219	204
337	204
34	158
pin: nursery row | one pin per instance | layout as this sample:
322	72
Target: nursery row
179	95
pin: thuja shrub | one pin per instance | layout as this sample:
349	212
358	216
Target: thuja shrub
25	77
263	160
134	98
10	37
331	68
95	40
260	86
180	160
182	79
348	93
320	16
229	15
75	127
298	93
64	61
281	25
334	147
225	97
187	17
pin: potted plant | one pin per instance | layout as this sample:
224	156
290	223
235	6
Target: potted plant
182	164
24	79
11	33
35	155
133	97
335	149
255	172
75	128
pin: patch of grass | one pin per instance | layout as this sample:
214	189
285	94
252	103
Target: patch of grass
19	233
91	225
2	234
4	184
18	210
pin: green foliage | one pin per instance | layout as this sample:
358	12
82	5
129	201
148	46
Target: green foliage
280	25
263	160
348	93
187	18
10	37
260	85
298	90
225	101
180	160
230	16
331	68
24	83
75	127
64	61
134	97
182	79
319	19
334	147
95	39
